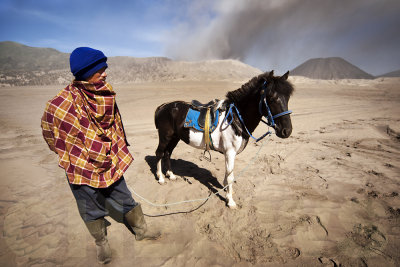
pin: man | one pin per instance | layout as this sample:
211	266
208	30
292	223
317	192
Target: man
82	124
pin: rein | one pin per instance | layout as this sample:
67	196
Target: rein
270	118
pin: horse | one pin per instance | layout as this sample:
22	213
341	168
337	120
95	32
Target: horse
243	109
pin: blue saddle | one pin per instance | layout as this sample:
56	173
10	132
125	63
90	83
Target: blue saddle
192	121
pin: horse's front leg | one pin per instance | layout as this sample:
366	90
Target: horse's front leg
229	178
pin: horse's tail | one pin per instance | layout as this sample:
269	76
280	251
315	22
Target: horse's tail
157	113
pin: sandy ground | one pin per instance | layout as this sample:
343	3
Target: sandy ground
327	196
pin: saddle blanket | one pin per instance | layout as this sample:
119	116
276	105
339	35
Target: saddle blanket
192	120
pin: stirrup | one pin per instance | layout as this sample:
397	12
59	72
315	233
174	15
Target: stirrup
205	157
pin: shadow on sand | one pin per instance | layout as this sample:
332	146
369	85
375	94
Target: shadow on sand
186	169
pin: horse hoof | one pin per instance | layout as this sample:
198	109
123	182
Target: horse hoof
171	175
232	206
161	182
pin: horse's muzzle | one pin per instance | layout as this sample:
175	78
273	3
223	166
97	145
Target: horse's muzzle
284	132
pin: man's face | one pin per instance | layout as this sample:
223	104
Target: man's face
100	75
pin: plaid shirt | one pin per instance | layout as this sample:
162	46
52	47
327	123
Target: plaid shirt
83	126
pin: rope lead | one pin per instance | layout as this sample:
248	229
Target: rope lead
199	199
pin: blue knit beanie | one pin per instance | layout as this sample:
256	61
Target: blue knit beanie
86	61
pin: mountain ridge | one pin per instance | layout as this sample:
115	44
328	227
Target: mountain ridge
331	68
24	65
395	73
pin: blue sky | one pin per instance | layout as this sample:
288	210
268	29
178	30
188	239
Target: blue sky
130	28
267	34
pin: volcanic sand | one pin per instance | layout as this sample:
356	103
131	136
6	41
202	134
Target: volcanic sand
326	196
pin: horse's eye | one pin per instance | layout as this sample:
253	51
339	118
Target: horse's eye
274	97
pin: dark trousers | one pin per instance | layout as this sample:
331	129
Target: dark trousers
95	203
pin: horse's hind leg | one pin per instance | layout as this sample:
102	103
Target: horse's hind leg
160	154
167	157
166	145
167	118
160	175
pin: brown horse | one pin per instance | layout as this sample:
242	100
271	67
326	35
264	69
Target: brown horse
240	113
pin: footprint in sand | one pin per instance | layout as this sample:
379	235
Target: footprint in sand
394	213
368	236
291	252
327	262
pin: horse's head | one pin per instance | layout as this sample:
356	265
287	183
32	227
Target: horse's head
275	93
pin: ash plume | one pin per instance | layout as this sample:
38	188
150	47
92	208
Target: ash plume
282	34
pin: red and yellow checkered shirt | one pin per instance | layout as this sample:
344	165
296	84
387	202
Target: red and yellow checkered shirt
83	126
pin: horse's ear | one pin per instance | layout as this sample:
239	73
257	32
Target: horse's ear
285	76
271	74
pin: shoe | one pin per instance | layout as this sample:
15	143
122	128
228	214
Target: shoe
98	230
135	219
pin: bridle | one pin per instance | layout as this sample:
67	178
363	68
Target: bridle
270	118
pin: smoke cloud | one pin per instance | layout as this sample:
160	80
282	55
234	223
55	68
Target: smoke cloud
281	34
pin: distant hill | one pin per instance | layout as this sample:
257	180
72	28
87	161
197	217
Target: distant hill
15	56
24	65
395	73
128	69
332	68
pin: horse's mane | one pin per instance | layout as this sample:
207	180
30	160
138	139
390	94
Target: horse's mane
274	83
241	93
